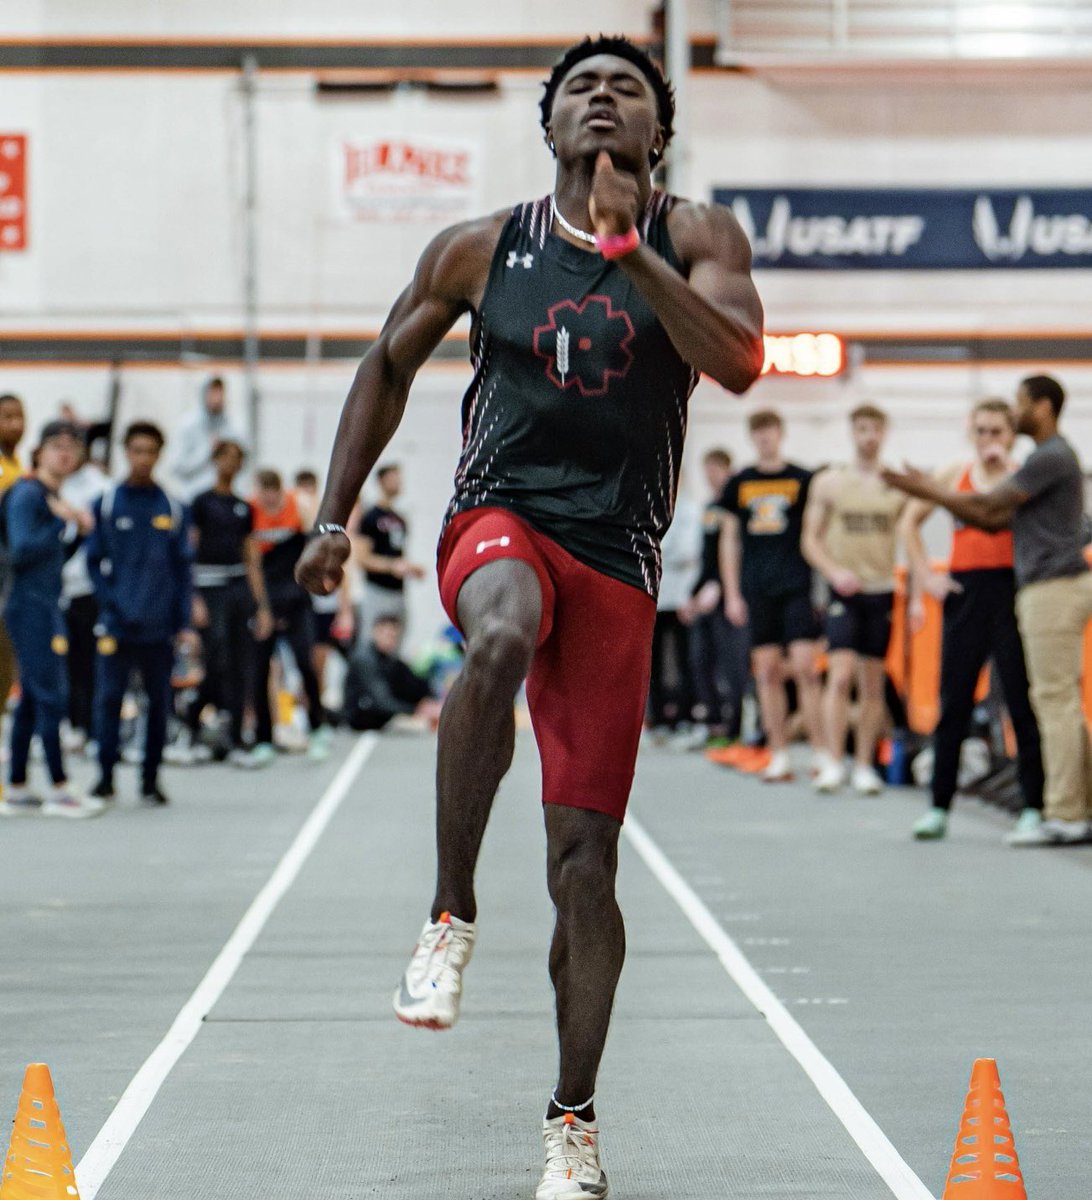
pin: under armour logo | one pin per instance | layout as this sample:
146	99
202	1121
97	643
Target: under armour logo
501	541
524	260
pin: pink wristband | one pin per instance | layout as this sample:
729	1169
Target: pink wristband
619	245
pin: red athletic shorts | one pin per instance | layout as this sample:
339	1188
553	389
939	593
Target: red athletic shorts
588	682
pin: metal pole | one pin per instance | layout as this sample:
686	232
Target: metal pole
677	62
250	250
840	30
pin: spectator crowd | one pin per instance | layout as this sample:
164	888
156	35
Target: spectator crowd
147	626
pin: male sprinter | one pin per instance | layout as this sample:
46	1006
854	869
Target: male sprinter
979	596
1044	504
594	309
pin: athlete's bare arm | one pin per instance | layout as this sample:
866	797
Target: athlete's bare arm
813	542
915	515
450	280
729	555
992	510
713	315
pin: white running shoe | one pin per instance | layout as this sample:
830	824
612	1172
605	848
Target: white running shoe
1053	831
73	805
779	769
572	1160
865	780
831	777
432	986
19	802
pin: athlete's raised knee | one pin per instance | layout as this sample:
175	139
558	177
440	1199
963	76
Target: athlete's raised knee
498	655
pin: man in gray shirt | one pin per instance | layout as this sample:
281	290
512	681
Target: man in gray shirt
1044	504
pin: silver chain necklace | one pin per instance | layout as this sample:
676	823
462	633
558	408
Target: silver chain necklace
577	233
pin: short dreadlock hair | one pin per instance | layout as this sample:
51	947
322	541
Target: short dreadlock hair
620	47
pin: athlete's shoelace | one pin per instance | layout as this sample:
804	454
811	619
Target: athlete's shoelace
440	943
571	1148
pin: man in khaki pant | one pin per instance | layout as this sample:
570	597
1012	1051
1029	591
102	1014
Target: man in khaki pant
1044	503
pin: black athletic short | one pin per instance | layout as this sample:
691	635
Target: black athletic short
782	620
861	623
323	624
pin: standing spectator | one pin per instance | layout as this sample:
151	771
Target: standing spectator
978	592
381	551
42	530
230	589
767	587
1044	503
332	614
280	533
140	557
671	686
851	536
197	435
81	489
718	656
12	427
380	686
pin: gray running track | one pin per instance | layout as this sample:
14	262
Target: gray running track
902	962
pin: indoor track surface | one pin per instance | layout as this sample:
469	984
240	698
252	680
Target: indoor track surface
883	969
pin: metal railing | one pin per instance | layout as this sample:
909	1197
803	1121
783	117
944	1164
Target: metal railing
938	29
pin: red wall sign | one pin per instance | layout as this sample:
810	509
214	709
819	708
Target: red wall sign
13	191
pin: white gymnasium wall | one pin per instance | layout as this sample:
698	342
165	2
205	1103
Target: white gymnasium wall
136	222
420	19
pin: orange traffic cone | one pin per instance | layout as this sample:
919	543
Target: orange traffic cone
984	1165
39	1162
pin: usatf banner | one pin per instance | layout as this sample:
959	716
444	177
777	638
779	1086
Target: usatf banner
914	229
13	191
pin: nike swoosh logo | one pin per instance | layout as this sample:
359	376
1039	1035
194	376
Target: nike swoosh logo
405	999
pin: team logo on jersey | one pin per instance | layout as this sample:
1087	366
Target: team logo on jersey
585	345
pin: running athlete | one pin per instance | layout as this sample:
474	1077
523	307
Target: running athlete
594	308
979	596
767	583
851	535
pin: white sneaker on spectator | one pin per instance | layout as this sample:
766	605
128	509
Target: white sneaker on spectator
865	780
19	802
1053	831
178	754
66	802
778	769
73	741
831	777
262	755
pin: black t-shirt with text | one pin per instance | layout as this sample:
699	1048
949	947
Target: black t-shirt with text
770	510
387	531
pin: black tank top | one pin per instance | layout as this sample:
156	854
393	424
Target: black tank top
576	414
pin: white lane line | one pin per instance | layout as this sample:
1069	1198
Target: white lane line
129	1111
871	1139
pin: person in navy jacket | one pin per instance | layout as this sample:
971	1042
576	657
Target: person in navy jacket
139	556
41	532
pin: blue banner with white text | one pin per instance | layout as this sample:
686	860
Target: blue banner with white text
917	229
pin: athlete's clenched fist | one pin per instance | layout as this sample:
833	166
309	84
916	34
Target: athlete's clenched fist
615	199
321	565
